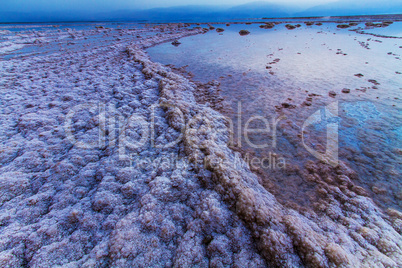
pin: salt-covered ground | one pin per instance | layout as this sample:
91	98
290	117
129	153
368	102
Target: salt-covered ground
79	128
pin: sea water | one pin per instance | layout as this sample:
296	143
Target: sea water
286	76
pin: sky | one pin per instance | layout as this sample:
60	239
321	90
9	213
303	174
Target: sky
109	5
78	10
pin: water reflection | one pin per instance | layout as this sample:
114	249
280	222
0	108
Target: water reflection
279	72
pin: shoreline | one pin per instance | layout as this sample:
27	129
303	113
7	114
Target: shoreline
370	17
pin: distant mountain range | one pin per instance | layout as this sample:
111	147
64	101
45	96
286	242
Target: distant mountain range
212	13
349	8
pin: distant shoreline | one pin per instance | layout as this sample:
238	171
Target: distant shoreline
237	20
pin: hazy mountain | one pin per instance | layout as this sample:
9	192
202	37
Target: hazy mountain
47	16
180	13
359	7
203	13
260	9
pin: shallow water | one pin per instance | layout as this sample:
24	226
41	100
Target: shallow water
269	67
392	30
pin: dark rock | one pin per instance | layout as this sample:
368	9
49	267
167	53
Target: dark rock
346	90
309	23
374	82
288	105
359	75
219	30
353	24
332	94
386	23
267	25
318	23
244	32
290	26
176	43
343	26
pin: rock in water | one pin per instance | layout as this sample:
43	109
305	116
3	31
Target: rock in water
176	43
244	32
290	26
267	25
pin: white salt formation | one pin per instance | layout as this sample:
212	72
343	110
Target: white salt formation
67	205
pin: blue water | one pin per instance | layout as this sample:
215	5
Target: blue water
310	60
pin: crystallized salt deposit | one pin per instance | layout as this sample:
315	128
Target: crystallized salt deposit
73	194
8	46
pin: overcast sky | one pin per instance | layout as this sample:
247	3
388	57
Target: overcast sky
102	5
110	5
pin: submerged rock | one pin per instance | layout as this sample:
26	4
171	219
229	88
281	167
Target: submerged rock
387	23
374	82
219	30
379	25
343	26
244	32
290	26
332	94
268	25
176	43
